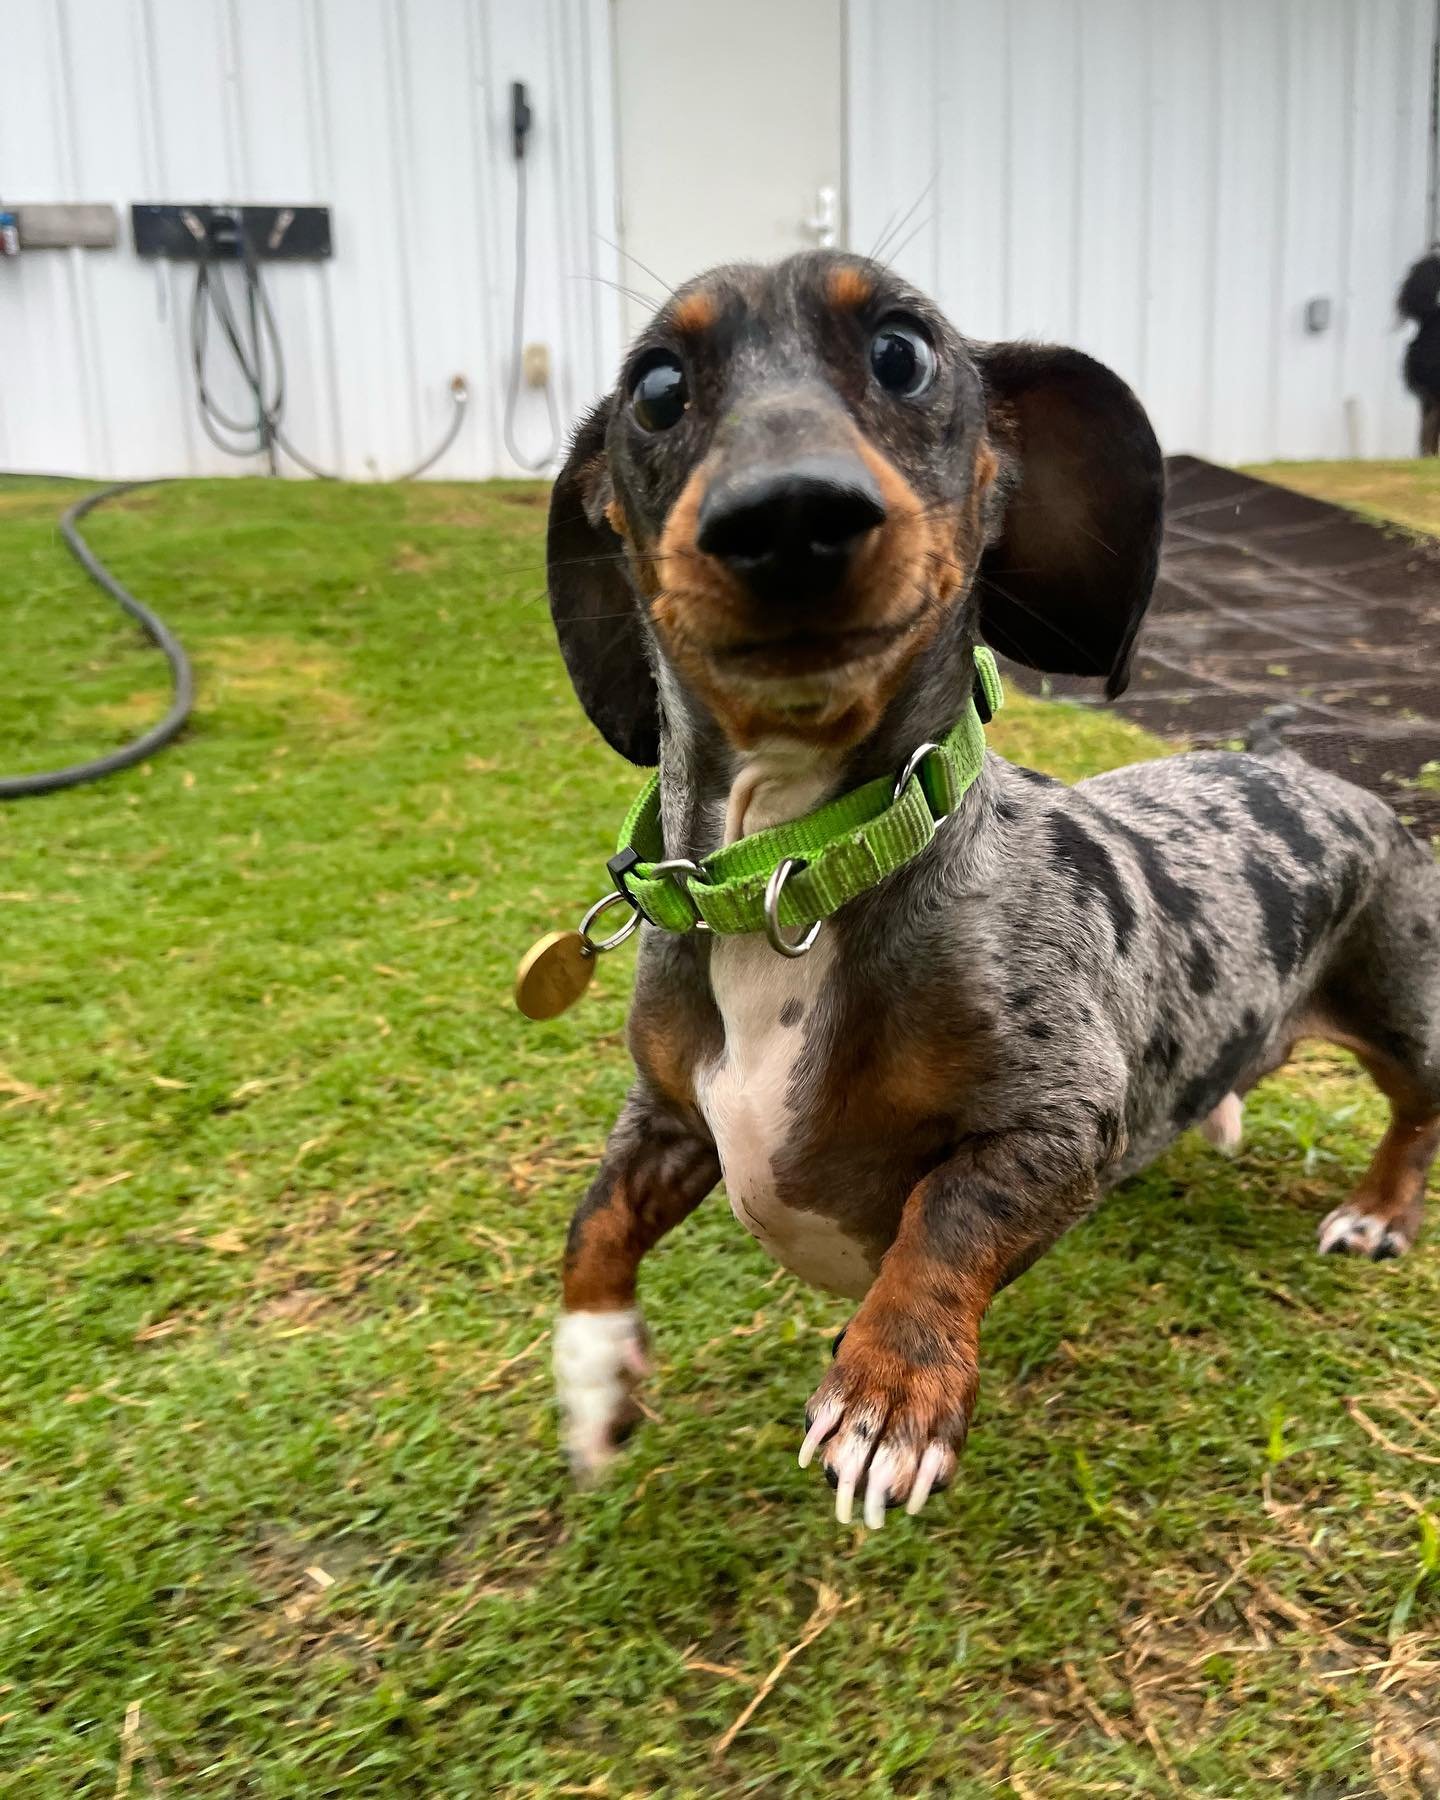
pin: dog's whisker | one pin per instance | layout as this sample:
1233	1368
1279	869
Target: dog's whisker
644	267
910	237
888	234
620	287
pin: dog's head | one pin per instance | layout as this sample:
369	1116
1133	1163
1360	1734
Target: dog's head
806	476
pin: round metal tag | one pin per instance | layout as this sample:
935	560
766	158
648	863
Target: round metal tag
553	974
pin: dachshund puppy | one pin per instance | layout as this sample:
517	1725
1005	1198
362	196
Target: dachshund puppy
772	553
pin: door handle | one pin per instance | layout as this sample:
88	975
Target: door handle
824	223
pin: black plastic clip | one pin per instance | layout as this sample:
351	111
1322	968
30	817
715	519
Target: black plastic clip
620	865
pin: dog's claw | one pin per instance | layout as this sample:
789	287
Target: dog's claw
821	1426
850	1467
932	1466
877	1488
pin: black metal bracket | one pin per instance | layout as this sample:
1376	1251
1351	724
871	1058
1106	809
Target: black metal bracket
270	233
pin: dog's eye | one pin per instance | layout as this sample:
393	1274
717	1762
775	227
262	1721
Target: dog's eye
902	358
659	395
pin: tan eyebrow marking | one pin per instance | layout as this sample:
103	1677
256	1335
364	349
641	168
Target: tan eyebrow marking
696	312
849	288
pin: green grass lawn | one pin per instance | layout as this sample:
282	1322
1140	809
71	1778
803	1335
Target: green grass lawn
284	1185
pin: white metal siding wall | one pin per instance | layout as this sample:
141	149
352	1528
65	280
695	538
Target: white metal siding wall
1165	185
395	113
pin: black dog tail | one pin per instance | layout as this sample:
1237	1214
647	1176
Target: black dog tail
1419	296
1266	737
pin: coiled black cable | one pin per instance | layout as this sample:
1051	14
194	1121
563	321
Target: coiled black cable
264	430
182	677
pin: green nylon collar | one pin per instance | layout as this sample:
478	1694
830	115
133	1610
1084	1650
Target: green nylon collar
846	846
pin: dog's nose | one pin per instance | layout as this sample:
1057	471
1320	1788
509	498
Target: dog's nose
789	531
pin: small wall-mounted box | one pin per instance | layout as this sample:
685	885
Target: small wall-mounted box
63	227
1318	314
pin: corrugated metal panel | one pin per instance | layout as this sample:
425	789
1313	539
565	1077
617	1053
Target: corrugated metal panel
395	113
1166	186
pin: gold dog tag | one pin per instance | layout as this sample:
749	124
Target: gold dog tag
553	974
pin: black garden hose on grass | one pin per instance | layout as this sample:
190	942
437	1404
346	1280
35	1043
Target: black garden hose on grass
182	676
260	361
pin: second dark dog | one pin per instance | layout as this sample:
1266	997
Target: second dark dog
1419	301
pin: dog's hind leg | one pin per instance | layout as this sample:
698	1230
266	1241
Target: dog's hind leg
1382	1217
1430	428
1382	1000
1225	1126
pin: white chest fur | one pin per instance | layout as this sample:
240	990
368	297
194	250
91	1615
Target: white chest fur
769	1004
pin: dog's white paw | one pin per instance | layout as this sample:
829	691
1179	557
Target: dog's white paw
1350	1232
599	1358
1224	1128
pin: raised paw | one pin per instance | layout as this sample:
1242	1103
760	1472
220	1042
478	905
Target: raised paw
1350	1232
599	1359
886	1429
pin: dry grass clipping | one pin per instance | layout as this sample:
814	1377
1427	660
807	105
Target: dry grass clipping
828	1607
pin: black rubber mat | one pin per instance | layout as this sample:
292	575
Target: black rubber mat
1268	597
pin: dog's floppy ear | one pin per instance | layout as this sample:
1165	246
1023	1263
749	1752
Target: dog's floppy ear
1065	583
597	617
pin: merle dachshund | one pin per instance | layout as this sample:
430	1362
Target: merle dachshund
772	553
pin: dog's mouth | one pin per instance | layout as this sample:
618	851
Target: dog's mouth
784	657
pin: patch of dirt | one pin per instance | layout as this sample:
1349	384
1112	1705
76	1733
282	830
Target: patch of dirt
272	672
276	671
25	503
509	1561
306	1611
455	503
408	560
132	714
297	1307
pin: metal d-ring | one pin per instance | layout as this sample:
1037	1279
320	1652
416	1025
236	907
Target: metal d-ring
601	906
914	763
682	865
774	887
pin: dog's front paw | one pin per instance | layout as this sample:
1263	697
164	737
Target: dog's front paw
1350	1232
599	1358
886	1427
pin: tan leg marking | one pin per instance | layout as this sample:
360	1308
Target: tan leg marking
1381	1219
